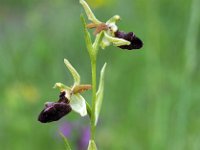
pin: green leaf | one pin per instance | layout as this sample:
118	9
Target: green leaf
87	36
92	145
67	146
78	104
99	94
73	71
89	12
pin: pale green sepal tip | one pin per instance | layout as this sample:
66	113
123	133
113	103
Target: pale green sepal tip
99	94
78	104
116	41
67	146
61	86
89	12
92	145
114	19
73	71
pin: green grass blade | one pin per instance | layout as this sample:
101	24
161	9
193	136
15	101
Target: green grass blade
67	146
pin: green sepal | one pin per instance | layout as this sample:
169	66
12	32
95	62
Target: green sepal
89	12
114	19
73	71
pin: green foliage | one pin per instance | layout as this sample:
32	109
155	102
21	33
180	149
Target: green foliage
67	146
99	94
161	102
87	37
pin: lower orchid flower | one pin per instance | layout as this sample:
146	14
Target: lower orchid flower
69	99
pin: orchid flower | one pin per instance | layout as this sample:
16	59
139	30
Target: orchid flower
112	35
69	99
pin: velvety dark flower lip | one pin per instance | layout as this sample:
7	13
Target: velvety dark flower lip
53	111
136	43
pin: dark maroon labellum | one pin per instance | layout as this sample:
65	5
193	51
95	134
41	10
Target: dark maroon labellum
136	43
53	111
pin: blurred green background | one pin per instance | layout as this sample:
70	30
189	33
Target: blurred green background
152	96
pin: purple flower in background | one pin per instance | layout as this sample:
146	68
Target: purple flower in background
84	139
83	136
66	128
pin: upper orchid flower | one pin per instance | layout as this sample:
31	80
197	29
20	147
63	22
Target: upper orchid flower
112	35
69	99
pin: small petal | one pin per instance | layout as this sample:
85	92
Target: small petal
73	71
81	88
100	27
54	112
78	104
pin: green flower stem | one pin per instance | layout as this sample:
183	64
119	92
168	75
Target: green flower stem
92	50
93	66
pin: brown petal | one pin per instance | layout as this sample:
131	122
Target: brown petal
81	88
